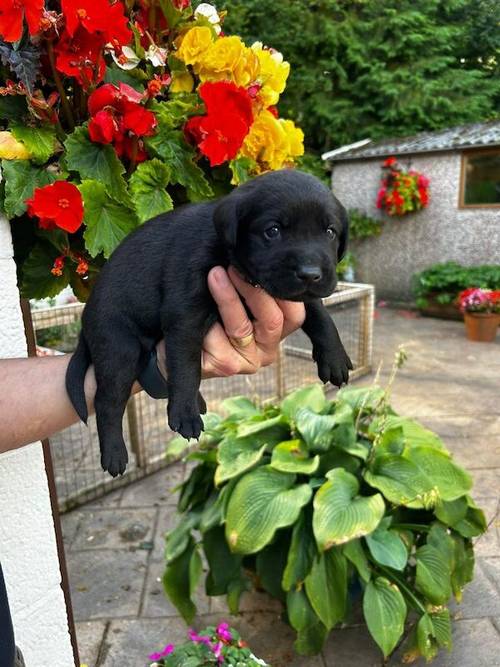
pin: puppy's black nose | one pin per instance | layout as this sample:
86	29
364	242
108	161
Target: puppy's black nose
309	273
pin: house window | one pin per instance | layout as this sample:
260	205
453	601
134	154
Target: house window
480	182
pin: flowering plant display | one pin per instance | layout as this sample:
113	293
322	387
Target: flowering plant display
401	192
322	502
112	112
477	300
219	645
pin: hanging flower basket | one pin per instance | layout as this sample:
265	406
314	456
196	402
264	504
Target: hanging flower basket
401	192
114	112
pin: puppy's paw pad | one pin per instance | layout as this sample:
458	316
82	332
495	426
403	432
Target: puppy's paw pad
334	367
115	460
187	423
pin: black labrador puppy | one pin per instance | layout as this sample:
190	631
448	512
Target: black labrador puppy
284	231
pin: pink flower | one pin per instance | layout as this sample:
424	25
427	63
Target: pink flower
166	651
217	649
199	639
223	632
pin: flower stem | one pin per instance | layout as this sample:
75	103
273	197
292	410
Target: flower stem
57	79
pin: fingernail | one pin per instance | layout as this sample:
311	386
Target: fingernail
220	277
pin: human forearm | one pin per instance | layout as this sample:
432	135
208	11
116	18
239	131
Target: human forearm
33	399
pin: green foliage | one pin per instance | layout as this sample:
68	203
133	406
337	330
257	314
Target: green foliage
362	226
147	186
21	179
445	281
313	494
40	141
374	69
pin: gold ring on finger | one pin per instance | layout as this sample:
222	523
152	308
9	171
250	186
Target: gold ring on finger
242	342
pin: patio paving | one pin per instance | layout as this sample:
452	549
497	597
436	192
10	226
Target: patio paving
114	546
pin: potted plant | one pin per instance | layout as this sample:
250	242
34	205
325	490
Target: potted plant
212	646
481	309
113	112
320	502
401	192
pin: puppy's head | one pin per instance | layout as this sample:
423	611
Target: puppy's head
285	231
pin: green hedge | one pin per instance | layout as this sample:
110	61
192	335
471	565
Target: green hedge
445	281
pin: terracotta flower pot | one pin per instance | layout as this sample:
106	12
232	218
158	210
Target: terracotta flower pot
481	327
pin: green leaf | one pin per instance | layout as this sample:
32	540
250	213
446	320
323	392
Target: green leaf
266	428
433	574
171	147
384	609
357	397
413	433
473	524
13	107
262	501
40	141
224	566
177	539
117	75
293	456
97	162
311	633
433	633
354	552
318	430
107	221
301	553
312	397
339	515
37	280
147	186
336	458
176	448
451	512
326	587
239	406
387	548
463	565
175	112
271	563
235	455
21	179
180	579
197	488
241	169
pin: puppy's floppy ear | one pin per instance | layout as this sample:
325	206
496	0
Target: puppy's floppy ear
344	235
226	220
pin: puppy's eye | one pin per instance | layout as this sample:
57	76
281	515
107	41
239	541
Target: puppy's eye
331	233
272	232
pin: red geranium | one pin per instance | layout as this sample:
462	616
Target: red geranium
100	18
220	134
57	205
401	192
81	57
11	17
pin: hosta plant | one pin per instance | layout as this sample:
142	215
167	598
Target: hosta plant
321	502
113	112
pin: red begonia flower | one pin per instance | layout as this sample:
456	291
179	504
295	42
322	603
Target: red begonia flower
100	18
222	136
181	4
227	97
125	147
193	131
59	204
110	95
81	57
138	120
103	128
11	18
389	162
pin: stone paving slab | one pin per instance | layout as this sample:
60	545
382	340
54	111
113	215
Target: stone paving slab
448	383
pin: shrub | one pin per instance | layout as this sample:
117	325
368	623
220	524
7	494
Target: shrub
314	499
445	281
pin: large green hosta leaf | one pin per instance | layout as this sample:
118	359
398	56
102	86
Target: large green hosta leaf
312	397
235	455
326	587
433	633
293	456
385	613
387	547
413	433
418	478
433	574
301	553
180	580
240	407
225	576
355	553
263	501
357	397
339	515
318	430
311	632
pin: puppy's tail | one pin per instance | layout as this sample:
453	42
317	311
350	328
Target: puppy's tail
75	377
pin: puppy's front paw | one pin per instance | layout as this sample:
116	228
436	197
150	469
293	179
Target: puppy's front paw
185	419
114	459
333	366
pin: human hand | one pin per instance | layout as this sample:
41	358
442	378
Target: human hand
238	345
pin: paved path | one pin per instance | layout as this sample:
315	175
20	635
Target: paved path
114	546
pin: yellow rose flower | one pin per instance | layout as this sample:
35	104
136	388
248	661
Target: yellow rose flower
273	74
272	142
228	59
182	82
193	45
12	149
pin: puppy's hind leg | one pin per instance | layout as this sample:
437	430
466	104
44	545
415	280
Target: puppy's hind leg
115	376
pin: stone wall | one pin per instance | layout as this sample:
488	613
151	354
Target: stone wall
27	541
439	233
